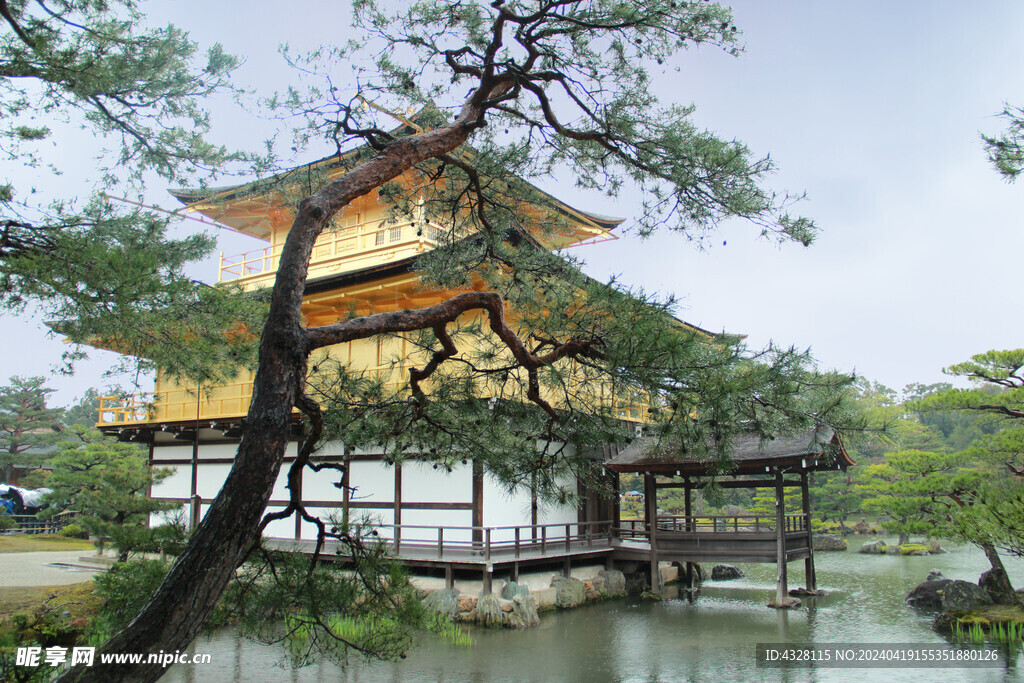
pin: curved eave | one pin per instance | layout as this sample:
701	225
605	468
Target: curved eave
637	461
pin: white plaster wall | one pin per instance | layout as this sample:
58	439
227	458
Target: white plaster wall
280	528
162	518
176	485
505	508
219	450
380	519
331	448
552	513
321	485
421	483
434	519
211	479
372	480
175	452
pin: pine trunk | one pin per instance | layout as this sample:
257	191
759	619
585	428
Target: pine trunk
996	581
179	608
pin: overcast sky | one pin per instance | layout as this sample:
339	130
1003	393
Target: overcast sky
872	108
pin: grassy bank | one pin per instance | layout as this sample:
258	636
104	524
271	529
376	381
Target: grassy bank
77	598
27	543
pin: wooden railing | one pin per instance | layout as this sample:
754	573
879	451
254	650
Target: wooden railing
34	524
715	524
355	242
126	409
447	542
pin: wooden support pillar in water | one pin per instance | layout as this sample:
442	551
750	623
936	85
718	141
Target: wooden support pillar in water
781	588
688	523
805	496
651	519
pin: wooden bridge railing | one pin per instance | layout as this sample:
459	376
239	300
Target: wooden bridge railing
514	541
719	524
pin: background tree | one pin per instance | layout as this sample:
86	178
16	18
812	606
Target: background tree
85	410
1006	151
28	429
96	273
536	87
903	488
107	483
836	495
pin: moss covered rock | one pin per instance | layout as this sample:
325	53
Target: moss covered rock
963	596
915	549
444	602
569	592
873	548
614	581
489	612
524	612
826	542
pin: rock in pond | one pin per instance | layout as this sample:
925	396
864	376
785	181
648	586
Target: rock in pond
444	602
489	611
614	581
829	542
949	595
524	612
568	592
927	595
873	548
726	572
934	575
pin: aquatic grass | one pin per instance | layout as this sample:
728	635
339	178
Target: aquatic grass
363	632
1006	632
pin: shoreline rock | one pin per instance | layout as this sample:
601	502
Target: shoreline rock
829	542
726	572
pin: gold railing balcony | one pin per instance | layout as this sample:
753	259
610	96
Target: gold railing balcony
336	250
176	405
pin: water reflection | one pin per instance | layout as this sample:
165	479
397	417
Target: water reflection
711	637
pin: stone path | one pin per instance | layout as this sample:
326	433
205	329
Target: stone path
44	568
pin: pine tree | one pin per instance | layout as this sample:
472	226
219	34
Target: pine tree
107	484
28	429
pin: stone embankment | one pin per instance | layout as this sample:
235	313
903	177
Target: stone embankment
517	604
879	547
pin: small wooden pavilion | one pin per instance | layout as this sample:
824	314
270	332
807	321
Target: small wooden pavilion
777	463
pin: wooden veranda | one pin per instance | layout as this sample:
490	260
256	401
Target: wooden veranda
779	464
685	539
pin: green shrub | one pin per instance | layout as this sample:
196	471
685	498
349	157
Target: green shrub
124	589
73	531
7	523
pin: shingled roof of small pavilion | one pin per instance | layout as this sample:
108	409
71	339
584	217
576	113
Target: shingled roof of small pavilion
810	451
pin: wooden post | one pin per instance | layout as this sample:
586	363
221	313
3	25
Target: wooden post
687	504
346	486
195	511
533	506
651	518
478	503
298	515
398	509
805	496
781	590
616	505
688	524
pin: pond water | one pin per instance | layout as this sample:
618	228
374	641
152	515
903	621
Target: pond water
711	638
